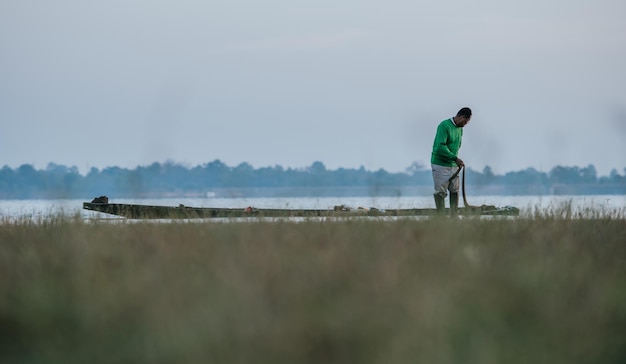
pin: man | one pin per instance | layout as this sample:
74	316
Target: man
445	161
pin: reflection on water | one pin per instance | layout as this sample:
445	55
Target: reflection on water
38	209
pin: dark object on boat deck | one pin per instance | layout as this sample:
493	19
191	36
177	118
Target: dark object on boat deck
133	211
101	199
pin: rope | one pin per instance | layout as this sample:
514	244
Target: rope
467	205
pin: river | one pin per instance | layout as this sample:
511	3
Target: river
37	209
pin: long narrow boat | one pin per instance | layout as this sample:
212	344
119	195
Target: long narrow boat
133	211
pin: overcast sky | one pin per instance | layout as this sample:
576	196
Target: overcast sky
285	82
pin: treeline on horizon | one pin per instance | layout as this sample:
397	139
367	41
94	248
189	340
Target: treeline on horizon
220	180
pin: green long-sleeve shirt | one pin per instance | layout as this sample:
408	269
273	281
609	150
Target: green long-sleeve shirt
447	144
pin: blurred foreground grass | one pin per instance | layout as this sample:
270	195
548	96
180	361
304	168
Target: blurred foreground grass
528	290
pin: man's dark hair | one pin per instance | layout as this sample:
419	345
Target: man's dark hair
466	111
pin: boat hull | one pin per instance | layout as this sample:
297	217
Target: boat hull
134	211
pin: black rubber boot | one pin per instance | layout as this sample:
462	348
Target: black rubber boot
454	203
440	203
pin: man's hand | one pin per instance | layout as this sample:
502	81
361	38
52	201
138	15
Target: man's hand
459	162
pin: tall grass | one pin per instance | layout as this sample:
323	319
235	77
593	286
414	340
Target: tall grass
537	289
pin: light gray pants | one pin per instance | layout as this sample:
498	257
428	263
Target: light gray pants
441	176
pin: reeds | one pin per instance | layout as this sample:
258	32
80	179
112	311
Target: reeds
535	289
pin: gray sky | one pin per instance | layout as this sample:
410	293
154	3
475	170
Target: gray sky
349	83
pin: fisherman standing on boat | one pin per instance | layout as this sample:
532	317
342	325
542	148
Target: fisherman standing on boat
445	161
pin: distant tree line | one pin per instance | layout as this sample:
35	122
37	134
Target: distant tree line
218	179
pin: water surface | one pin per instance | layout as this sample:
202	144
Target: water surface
36	209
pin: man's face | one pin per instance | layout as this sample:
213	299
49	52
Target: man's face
464	120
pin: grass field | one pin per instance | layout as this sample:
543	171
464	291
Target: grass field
540	289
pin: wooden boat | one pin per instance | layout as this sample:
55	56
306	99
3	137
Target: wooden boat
133	211
101	204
